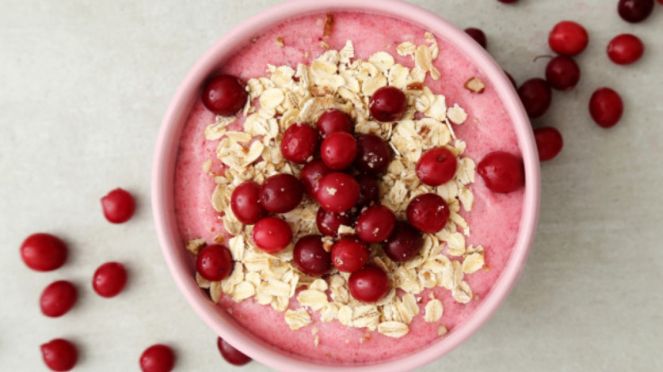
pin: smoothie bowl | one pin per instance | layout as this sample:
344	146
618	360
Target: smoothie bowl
345	186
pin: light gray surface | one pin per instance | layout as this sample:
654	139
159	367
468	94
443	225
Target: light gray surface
84	85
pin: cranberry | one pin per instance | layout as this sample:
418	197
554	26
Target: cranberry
329	222
404	243
59	354
338	192
281	193
245	203
338	150
369	191
478	36
536	96
272	234
350	254
428	212
118	206
299	143
549	142
109	279
375	224
230	354
568	38
388	104
606	107
625	49
635	11
436	166
214	262
502	172
512	80
368	284
334	120
43	252
157	358
310	256
373	154
311	175
224	95
58	298
562	73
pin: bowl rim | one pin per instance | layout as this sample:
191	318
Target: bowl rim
167	148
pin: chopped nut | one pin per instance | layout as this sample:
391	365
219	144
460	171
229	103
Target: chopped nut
195	245
475	85
329	26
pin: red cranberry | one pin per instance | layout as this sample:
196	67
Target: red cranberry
224	95
369	191
43	252
338	192
436	166
334	120
230	354
350	254
549	142
512	80
478	36
536	96
338	150
625	49
562	73
58	298
118	206
404	243
502	172
368	284
329	222
310	256
375	224
214	262
635	11
373	154
157	358
245	203
388	104
428	212
281	193
59	354
272	234
606	107
311	175
299	143
568	38
109	279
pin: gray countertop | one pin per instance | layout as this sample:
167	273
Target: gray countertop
84	86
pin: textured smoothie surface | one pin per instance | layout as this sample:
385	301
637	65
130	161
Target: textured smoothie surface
494	220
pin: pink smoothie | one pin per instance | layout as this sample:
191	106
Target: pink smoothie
494	220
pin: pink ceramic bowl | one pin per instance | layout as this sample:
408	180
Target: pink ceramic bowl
179	260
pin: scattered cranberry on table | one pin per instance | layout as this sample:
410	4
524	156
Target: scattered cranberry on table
281	193
109	279
311	257
568	38
549	142
625	49
214	262
338	150
369	191
502	172
350	254
329	222
43	252
478	36
224	95
368	284
404	243
299	143
230	354
59	355
338	192
436	166
536	97
334	120
606	107
58	298
375	224
157	358
272	234
245	203
635	11
388	104
118	206
311	175
373	154
562	73
429	213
